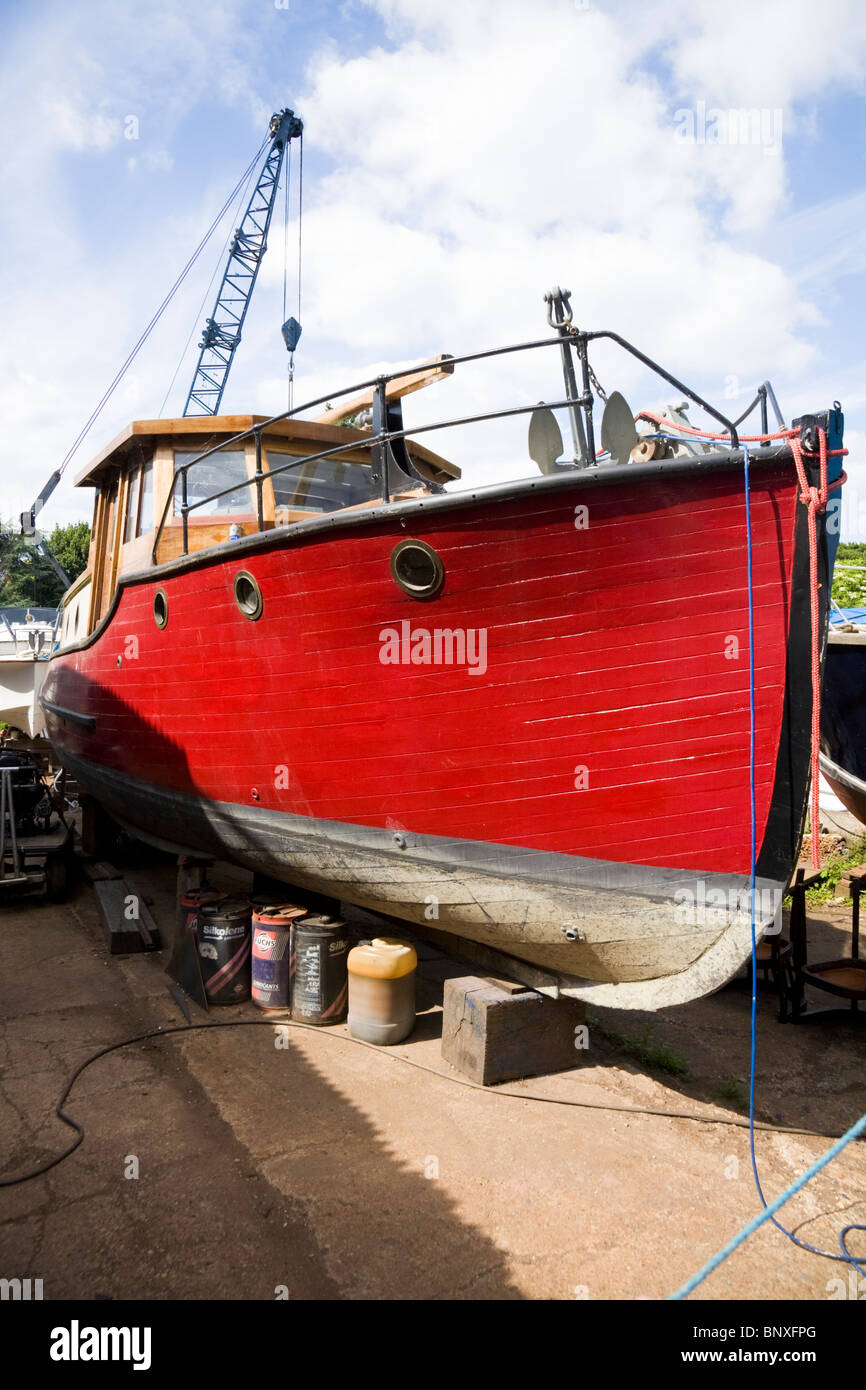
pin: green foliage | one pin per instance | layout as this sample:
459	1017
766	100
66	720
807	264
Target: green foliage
26	578
732	1089
359	421
70	545
646	1049
832	871
849	583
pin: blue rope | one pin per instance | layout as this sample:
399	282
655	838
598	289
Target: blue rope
767	1213
859	1263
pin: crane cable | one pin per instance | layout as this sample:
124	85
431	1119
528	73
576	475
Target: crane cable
286	228
300	213
286	249
96	412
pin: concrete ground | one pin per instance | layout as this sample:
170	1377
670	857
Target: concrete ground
330	1170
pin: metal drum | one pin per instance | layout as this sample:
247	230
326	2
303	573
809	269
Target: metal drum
319	982
272	929
192	903
224	951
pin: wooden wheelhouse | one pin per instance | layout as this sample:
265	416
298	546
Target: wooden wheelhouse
138	508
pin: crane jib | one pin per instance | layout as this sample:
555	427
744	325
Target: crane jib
222	330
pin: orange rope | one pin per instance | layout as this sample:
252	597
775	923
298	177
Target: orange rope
816	500
780	435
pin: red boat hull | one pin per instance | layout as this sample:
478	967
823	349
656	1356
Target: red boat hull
608	723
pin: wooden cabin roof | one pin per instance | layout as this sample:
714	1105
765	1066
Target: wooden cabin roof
139	432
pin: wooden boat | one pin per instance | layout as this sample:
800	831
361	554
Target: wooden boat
843	710
493	712
26	640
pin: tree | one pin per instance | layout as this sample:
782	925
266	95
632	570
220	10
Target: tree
26	578
70	545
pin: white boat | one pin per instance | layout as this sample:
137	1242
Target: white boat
27	639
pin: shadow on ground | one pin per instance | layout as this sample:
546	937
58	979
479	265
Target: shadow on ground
203	1218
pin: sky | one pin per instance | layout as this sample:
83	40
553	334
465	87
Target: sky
694	173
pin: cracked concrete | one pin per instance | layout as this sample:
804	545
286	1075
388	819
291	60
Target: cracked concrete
342	1173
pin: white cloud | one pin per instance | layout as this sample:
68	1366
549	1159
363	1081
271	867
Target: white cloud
476	156
509	148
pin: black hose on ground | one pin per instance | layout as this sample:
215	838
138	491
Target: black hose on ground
422	1066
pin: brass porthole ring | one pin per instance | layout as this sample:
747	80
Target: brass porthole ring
417	569
160	608
248	595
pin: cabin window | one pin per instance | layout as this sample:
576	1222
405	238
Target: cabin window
324	486
131	506
145	510
215	473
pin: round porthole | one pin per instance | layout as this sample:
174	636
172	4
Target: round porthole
417	569
248	595
160	608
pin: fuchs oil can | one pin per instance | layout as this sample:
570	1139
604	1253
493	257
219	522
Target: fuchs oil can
272	927
319	982
224	951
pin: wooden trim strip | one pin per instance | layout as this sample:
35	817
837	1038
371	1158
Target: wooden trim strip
400	386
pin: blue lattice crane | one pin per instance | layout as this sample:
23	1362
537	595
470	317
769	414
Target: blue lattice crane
222	331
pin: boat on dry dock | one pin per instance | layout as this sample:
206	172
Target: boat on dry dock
27	637
489	712
843	709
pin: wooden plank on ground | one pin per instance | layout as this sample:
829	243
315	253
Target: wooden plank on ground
148	930
127	919
95	870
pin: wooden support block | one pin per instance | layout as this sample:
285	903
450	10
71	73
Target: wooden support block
804	878
191	877
127	919
493	1035
98	831
849	879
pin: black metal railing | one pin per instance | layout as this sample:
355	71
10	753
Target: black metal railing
380	441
